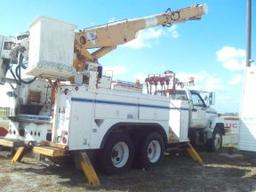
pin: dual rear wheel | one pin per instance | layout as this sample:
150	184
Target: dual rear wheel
120	152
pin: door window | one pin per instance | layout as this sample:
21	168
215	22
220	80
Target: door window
197	100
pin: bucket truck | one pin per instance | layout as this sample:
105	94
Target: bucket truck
90	113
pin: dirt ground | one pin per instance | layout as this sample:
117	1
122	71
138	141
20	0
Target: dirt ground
221	172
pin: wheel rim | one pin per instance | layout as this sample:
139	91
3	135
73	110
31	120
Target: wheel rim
217	141
154	151
120	154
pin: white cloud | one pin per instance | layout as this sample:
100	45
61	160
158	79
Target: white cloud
173	31
232	58
203	80
115	70
145	38
236	80
141	77
225	101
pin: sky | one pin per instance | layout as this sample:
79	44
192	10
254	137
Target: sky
211	50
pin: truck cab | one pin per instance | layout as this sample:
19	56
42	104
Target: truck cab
206	127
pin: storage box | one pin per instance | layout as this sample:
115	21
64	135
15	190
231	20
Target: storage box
178	121
51	48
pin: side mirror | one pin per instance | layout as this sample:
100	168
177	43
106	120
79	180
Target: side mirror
211	98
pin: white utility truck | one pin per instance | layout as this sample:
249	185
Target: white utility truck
89	112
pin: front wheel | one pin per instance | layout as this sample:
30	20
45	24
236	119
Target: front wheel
151	151
215	144
117	154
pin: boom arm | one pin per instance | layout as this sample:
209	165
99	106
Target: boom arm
107	37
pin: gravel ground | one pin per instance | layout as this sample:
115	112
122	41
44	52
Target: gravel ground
221	172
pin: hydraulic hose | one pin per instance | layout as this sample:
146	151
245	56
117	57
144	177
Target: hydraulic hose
18	71
18	75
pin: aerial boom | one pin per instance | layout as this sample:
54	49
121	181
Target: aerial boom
107	37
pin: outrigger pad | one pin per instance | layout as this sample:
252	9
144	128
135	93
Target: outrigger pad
11	142
88	169
18	155
49	151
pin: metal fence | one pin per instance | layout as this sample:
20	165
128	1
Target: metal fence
4	112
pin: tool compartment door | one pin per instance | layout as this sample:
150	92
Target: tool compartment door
82	112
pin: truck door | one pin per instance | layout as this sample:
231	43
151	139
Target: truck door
198	114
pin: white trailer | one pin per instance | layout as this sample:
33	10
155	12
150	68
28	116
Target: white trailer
247	130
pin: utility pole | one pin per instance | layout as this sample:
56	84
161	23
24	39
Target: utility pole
248	34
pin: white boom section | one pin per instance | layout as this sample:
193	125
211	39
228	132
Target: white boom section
107	37
123	31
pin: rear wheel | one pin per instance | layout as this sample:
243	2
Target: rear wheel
117	154
151	151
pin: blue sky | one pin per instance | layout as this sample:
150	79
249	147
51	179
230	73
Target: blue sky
212	50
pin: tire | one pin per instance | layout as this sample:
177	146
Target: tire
118	153
151	151
215	144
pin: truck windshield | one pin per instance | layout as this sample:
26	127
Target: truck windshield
179	95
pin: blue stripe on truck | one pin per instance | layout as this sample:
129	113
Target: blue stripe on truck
76	99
